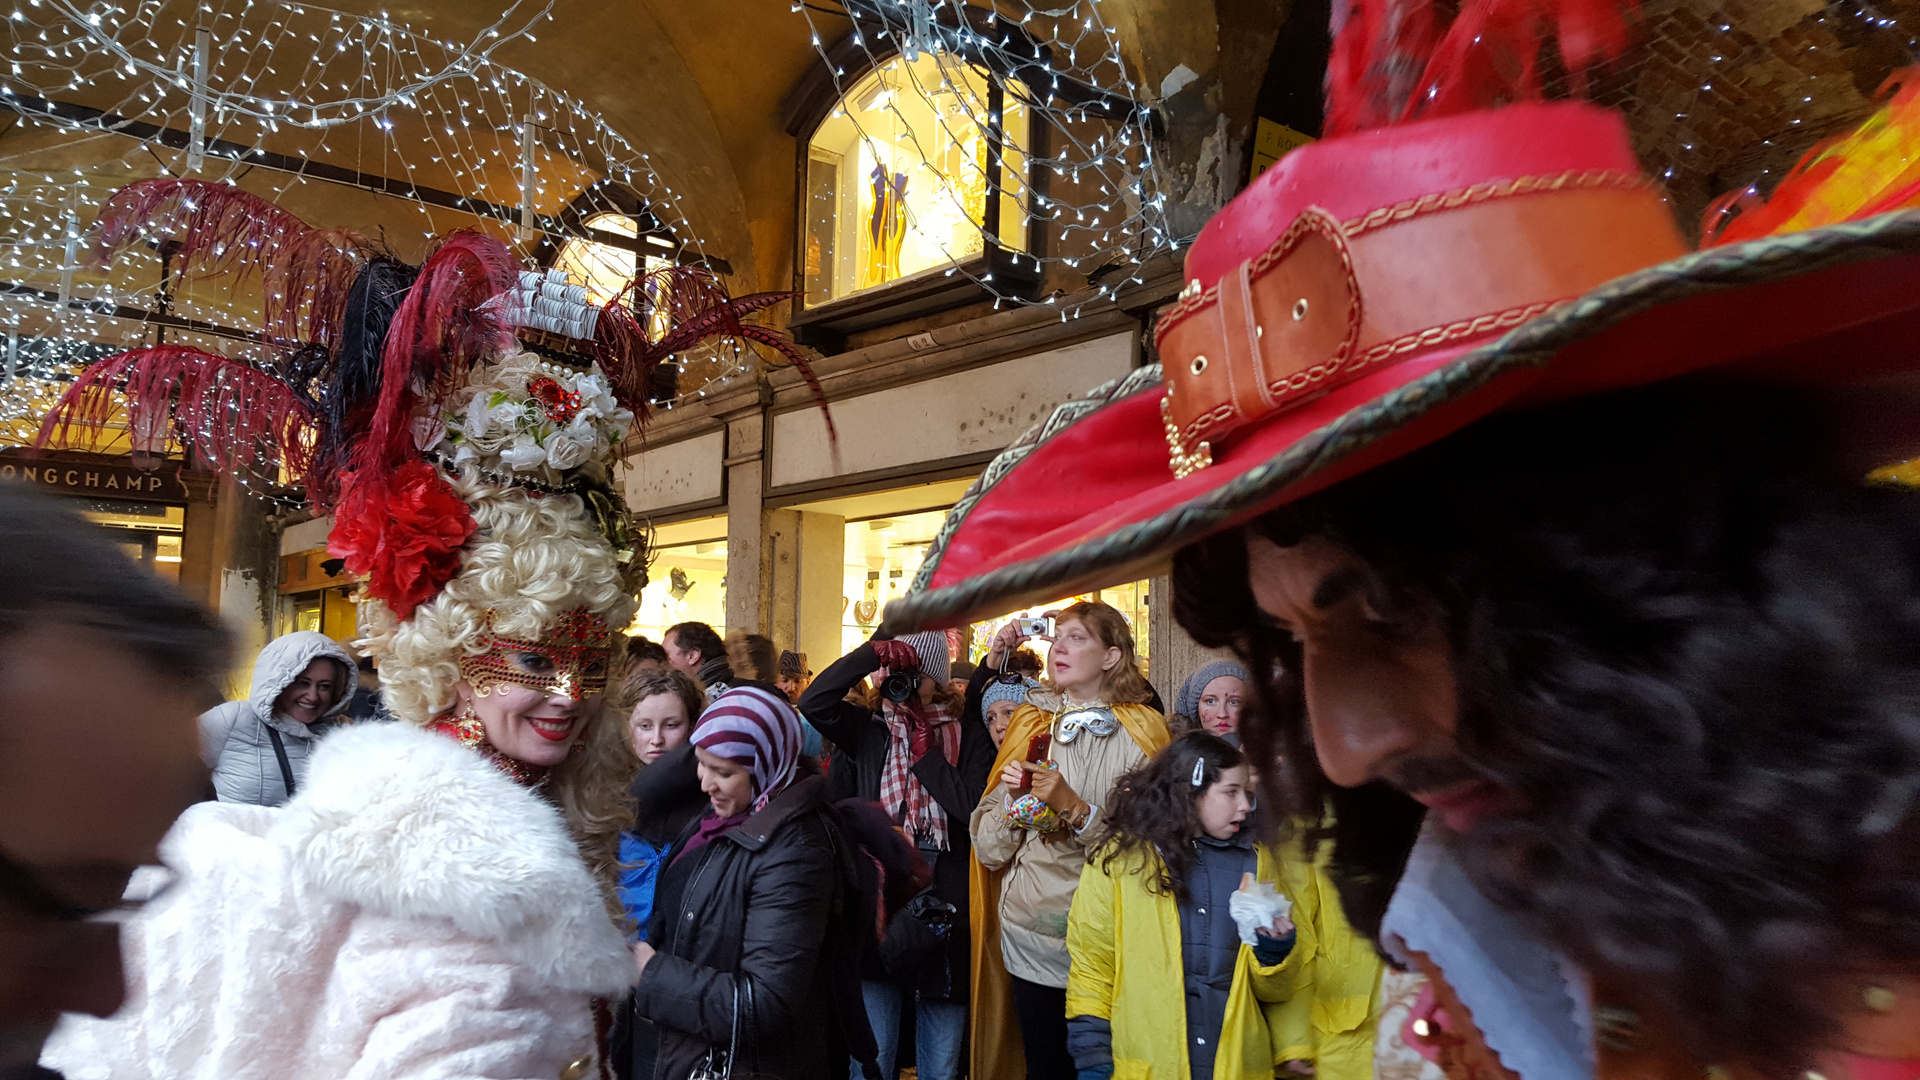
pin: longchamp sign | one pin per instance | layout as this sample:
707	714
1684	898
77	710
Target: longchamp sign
96	479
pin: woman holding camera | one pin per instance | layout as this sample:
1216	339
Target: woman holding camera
1031	831
912	754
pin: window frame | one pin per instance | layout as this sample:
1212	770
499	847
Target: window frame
935	289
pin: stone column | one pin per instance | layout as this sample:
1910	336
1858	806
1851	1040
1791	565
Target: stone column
746	573
1175	655
821	589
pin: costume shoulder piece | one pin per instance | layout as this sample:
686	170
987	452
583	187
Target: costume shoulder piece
408	824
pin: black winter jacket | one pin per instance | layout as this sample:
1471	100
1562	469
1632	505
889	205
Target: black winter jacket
861	742
763	915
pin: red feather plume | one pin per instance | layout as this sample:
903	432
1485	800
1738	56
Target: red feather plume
450	318
241	417
305	273
698	308
1393	62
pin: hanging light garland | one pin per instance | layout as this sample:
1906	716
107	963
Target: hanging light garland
283	96
1105	214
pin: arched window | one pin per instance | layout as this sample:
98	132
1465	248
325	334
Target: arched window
603	268
916	167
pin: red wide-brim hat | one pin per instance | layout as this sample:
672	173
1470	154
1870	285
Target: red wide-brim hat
1373	293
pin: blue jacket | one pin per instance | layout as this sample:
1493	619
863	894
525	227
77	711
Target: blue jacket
639	873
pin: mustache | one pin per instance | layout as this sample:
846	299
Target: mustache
1429	772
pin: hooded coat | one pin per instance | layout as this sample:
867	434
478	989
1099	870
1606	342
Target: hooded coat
233	736
412	912
1317	1005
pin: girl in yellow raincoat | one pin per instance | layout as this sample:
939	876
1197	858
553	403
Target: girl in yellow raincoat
1187	961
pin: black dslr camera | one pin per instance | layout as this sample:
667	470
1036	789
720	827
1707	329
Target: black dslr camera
898	686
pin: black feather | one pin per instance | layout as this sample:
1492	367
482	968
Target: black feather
353	385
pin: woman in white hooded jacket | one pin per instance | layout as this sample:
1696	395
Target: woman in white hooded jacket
436	900
258	747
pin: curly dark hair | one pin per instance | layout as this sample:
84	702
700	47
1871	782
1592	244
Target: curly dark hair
1153	810
1688	640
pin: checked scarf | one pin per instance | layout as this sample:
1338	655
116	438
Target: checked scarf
906	801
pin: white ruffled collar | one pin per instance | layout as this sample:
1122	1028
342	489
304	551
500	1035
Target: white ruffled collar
1532	1006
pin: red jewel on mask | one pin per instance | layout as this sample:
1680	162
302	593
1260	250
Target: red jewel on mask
559	403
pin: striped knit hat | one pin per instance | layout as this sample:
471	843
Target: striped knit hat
936	661
756	728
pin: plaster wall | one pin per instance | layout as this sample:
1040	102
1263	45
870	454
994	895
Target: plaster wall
684	473
971	412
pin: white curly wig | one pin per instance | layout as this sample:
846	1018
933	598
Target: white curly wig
531	558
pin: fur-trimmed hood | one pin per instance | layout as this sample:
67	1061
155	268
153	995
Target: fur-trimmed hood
410	824
282	661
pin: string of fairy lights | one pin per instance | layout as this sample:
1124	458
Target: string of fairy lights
338	118
1046	95
958	131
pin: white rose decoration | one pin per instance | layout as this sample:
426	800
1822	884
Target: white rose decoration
507	414
565	450
596	396
478	416
524	455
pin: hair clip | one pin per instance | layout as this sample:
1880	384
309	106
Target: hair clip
1199	771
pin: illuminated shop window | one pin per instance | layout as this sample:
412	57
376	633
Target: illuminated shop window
686	580
917	168
883	555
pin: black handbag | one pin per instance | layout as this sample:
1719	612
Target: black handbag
718	1064
916	934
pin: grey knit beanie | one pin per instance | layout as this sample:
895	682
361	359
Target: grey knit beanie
931	647
1015	692
1188	702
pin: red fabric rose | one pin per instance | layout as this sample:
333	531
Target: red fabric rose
404	532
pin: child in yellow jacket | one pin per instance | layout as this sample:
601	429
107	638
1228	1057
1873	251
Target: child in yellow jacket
1187	963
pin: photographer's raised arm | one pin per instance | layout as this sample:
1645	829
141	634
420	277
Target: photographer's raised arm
825	703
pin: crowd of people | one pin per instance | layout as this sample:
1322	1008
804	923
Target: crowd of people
623	854
1574	687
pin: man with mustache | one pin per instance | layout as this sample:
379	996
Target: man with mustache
1585	646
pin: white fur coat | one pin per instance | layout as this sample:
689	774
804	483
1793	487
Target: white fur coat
412	913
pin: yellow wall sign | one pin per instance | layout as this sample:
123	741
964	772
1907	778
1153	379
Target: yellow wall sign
1271	141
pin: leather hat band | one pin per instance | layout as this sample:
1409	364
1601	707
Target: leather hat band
1330	299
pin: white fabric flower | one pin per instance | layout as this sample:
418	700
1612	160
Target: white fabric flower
596	396
478	416
565	450
508	414
524	455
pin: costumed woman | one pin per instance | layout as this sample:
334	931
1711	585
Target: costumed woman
1032	830
437	898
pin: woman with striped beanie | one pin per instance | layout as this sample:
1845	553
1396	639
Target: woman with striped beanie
748	944
912	754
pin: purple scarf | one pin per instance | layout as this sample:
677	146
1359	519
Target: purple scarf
711	828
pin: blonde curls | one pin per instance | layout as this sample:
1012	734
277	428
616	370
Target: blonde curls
531	558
